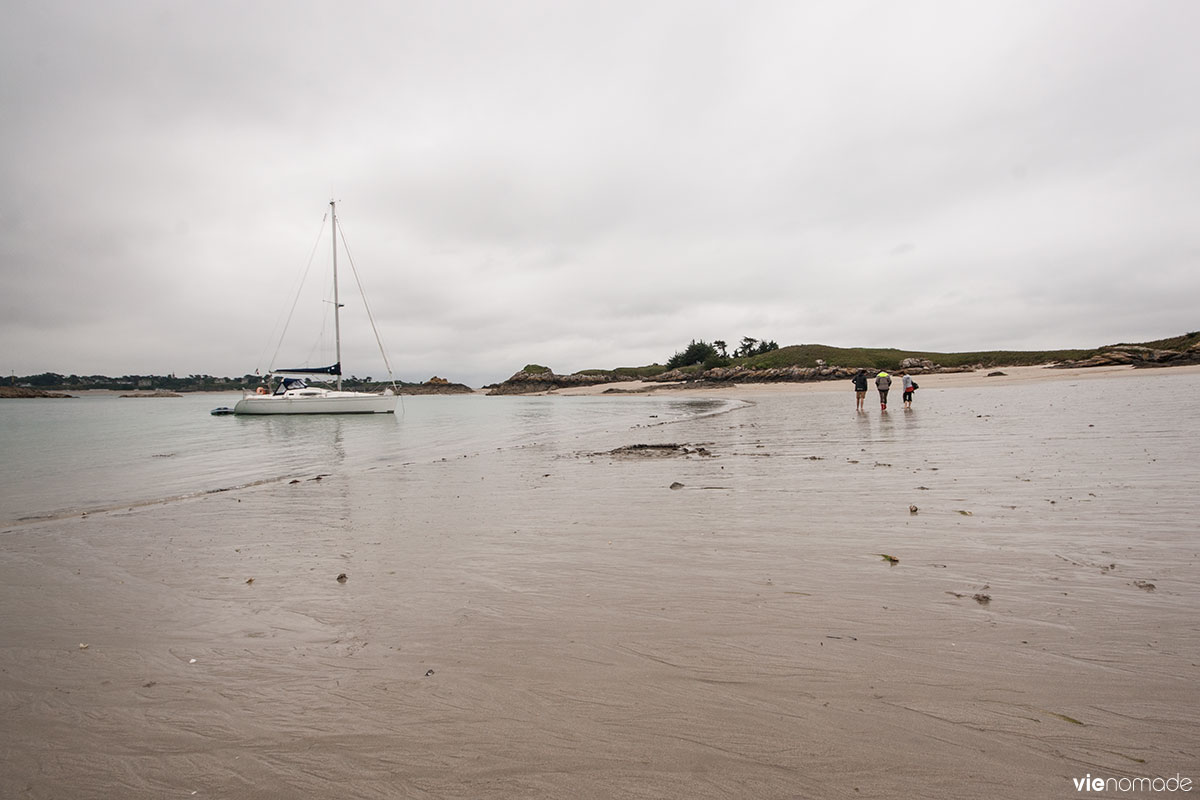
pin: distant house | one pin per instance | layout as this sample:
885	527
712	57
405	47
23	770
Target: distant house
145	383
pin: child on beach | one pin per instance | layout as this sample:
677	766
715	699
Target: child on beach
883	382
908	384
860	388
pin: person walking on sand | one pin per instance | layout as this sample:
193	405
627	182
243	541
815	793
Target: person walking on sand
909	385
860	388
883	382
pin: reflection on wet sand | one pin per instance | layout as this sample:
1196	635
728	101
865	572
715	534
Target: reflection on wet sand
554	620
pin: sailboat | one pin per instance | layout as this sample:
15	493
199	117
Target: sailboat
294	395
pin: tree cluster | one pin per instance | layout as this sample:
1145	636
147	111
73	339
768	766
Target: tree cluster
716	354
190	383
749	347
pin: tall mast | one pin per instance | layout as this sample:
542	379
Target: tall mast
337	322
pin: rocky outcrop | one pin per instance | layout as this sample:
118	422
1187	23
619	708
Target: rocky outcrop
917	365
535	381
777	374
822	372
1137	356
26	391
539	379
435	385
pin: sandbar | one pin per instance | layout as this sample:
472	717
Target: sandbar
562	619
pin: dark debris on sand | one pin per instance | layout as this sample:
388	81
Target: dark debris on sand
657	451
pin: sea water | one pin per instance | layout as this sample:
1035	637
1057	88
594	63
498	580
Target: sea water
98	452
534	601
102	451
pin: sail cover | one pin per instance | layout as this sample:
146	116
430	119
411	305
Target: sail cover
335	369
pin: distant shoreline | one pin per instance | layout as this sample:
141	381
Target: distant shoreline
26	393
943	380
1012	376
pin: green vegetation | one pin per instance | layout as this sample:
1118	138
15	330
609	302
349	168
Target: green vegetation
632	373
700	355
129	383
170	383
698	352
807	355
1174	343
764	354
750	347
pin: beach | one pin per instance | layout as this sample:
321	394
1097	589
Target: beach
1005	376
990	595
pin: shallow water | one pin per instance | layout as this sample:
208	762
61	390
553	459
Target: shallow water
528	614
101	452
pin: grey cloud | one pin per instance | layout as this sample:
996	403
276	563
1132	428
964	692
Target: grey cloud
594	184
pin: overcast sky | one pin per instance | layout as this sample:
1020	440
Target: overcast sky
592	184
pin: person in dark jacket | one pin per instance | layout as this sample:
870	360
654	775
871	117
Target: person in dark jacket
860	388
883	382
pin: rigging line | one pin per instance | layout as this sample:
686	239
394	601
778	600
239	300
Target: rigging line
319	353
300	286
367	306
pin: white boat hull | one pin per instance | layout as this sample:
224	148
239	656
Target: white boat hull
309	401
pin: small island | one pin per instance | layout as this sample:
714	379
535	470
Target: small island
434	385
22	392
710	364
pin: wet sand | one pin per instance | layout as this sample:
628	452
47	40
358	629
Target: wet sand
554	620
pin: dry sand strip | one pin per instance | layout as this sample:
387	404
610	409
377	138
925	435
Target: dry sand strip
946	380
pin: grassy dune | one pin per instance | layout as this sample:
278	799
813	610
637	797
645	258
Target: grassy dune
807	355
